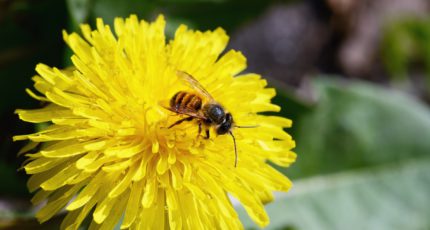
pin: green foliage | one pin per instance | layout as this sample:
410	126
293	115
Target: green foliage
363	162
199	14
405	44
392	196
28	35
357	125
196	14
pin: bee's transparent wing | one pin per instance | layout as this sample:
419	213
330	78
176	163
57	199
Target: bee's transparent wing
193	83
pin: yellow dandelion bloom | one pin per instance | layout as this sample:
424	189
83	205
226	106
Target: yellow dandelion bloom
108	151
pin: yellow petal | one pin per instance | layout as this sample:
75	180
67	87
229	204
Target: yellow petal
82	214
150	193
133	204
117	166
193	220
125	183
276	121
60	179
127	151
35	96
162	164
196	191
56	202
116	212
159	211
176	178
103	209
96	164
37	179
46	72
31	145
42	115
87	193
40	196
175	217
69	148
42	164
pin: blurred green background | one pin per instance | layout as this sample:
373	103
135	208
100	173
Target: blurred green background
353	75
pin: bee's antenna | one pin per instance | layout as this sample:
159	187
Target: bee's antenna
246	126
235	149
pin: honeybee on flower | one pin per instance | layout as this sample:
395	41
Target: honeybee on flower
108	154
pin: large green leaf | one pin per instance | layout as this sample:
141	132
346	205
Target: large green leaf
355	125
391	197
364	151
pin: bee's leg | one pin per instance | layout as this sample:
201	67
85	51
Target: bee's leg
180	121
207	134
200	129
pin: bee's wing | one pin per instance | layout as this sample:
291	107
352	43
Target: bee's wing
184	111
189	112
193	83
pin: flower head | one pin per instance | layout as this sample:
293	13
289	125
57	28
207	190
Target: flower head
109	152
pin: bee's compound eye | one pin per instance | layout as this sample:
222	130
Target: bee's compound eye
216	113
225	126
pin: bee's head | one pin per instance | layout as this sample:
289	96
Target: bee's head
226	125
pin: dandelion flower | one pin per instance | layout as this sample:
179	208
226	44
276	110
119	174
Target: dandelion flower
108	153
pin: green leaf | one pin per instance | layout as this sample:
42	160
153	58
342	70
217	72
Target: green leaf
391	197
363	162
355	125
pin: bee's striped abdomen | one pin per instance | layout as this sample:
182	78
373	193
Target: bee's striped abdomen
186	101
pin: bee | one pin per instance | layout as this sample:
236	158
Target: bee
203	108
